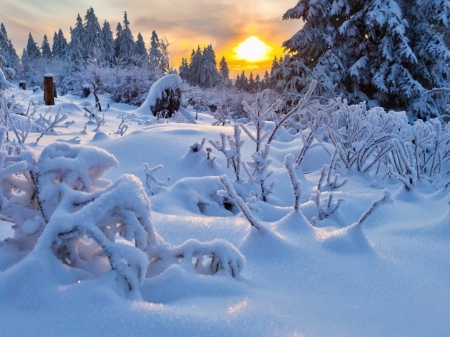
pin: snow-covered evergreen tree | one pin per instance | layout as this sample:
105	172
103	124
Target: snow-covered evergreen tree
195	65
208	70
387	52
183	71
154	53
46	51
93	38
8	54
224	71
118	39
59	46
141	51
127	45
78	33
108	44
32	49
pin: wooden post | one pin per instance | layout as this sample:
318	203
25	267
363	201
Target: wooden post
49	90
23	85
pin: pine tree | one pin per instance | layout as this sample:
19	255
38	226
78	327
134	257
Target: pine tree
251	83
266	80
164	64
224	72
32	49
387	52
208	69
59	46
141	51
46	51
93	38
258	84
127	45
183	71
195	65
108	45
8	55
118	39
154	53
78	33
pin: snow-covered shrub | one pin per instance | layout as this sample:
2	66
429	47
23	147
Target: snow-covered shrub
233	153
260	111
164	98
62	204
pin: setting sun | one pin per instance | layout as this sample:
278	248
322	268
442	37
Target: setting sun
253	50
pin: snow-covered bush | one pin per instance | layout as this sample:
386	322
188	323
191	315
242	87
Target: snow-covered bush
63	204
164	98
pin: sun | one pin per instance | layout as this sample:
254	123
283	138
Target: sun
253	50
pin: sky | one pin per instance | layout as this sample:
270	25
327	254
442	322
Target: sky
185	24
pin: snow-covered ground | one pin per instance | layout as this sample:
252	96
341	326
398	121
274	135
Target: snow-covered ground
388	277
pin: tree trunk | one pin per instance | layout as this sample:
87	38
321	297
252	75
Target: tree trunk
23	85
49	90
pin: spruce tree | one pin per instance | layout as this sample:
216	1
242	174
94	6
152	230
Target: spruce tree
93	38
118	39
141	51
195	66
251	83
59	46
127	45
33	52
78	32
387	52
224	72
154	53
108	45
208	69
183	71
8	54
45	48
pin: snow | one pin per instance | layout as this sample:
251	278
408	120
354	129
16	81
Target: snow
386	277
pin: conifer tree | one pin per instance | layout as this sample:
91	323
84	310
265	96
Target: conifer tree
258	83
224	72
154	53
108	45
127	45
45	48
183	71
208	69
8	54
387	52
78	33
141	51
33	52
251	83
195	65
118	39
93	38
59	46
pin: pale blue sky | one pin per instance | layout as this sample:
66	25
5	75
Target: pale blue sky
185	23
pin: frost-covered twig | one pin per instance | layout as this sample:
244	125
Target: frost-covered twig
196	147
153	185
49	124
99	121
302	104
122	127
386	197
261	172
231	193
259	112
295	183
